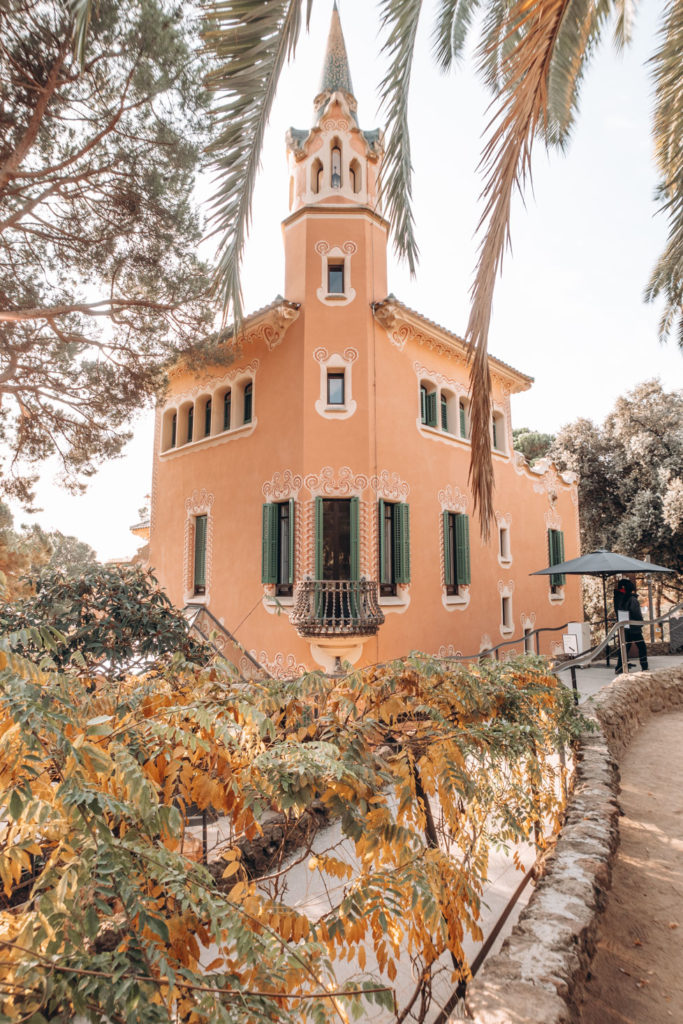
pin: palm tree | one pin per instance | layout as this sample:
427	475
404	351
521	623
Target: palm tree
532	55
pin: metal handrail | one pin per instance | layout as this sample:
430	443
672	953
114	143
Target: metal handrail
201	609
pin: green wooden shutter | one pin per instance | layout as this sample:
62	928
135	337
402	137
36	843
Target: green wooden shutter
380	530
355	538
318	538
431	409
444	413
462	549
556	555
290	560
463	420
401	542
447	563
423	404
199	552
269	525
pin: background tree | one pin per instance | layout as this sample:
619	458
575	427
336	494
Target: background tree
21	551
105	621
70	555
631	477
531	443
99	282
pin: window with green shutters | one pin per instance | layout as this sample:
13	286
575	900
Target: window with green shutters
277	545
227	405
428	406
394	545
556	556
200	524
464	431
444	413
456	550
207	417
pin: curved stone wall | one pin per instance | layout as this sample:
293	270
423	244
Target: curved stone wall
544	961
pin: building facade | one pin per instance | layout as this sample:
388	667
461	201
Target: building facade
313	494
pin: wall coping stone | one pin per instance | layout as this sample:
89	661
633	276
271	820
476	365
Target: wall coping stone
538	975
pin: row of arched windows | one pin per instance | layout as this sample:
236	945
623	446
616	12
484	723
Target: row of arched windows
336	171
226	409
443	410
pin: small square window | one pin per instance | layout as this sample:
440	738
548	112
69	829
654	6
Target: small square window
335	278
335	389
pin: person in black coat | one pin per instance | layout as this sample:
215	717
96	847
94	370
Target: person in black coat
625	600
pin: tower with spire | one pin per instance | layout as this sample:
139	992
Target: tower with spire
311	491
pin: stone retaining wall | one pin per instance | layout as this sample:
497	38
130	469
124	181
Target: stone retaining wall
543	963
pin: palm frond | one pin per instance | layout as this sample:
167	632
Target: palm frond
251	41
399	20
667	276
81	12
453	22
506	163
625	20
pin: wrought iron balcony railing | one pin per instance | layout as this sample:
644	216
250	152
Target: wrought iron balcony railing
336	608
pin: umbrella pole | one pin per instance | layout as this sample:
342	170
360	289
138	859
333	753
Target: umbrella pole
604	605
651	607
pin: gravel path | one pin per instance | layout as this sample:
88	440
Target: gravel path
637	974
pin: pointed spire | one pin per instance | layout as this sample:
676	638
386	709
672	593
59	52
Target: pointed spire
336	76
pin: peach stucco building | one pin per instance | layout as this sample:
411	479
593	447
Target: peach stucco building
313	493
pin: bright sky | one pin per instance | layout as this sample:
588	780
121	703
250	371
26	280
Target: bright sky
568	309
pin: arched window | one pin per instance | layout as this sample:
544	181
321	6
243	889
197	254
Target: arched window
316	176
248	401
354	172
464	417
190	423
174	429
227	408
207	417
336	166
498	431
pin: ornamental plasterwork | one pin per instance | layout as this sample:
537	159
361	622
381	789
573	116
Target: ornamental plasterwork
322	356
448	651
333	483
270	332
553	519
452	499
485	644
199	503
282	486
528	621
208	384
280	666
439	378
506	589
390	486
331	124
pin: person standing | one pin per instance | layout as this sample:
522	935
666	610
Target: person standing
626	600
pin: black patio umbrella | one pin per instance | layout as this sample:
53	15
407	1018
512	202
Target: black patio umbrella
600	563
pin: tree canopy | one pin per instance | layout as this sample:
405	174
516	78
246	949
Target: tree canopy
630	475
99	281
531	443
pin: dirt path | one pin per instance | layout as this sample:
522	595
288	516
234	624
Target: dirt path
637	974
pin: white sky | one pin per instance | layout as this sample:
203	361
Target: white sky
568	309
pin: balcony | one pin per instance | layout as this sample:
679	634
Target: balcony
336	608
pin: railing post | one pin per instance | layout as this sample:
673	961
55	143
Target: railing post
575	687
623	646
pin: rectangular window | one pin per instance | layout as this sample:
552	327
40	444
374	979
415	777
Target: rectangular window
174	429
463	419
335	389
506	612
335	279
456	549
528	641
444	413
227	404
427	406
394	545
248	401
555	557
207	418
494	427
190	423
504	541
277	545
200	555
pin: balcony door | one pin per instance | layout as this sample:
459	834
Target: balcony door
337	529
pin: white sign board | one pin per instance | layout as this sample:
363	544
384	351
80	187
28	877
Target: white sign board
570	643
